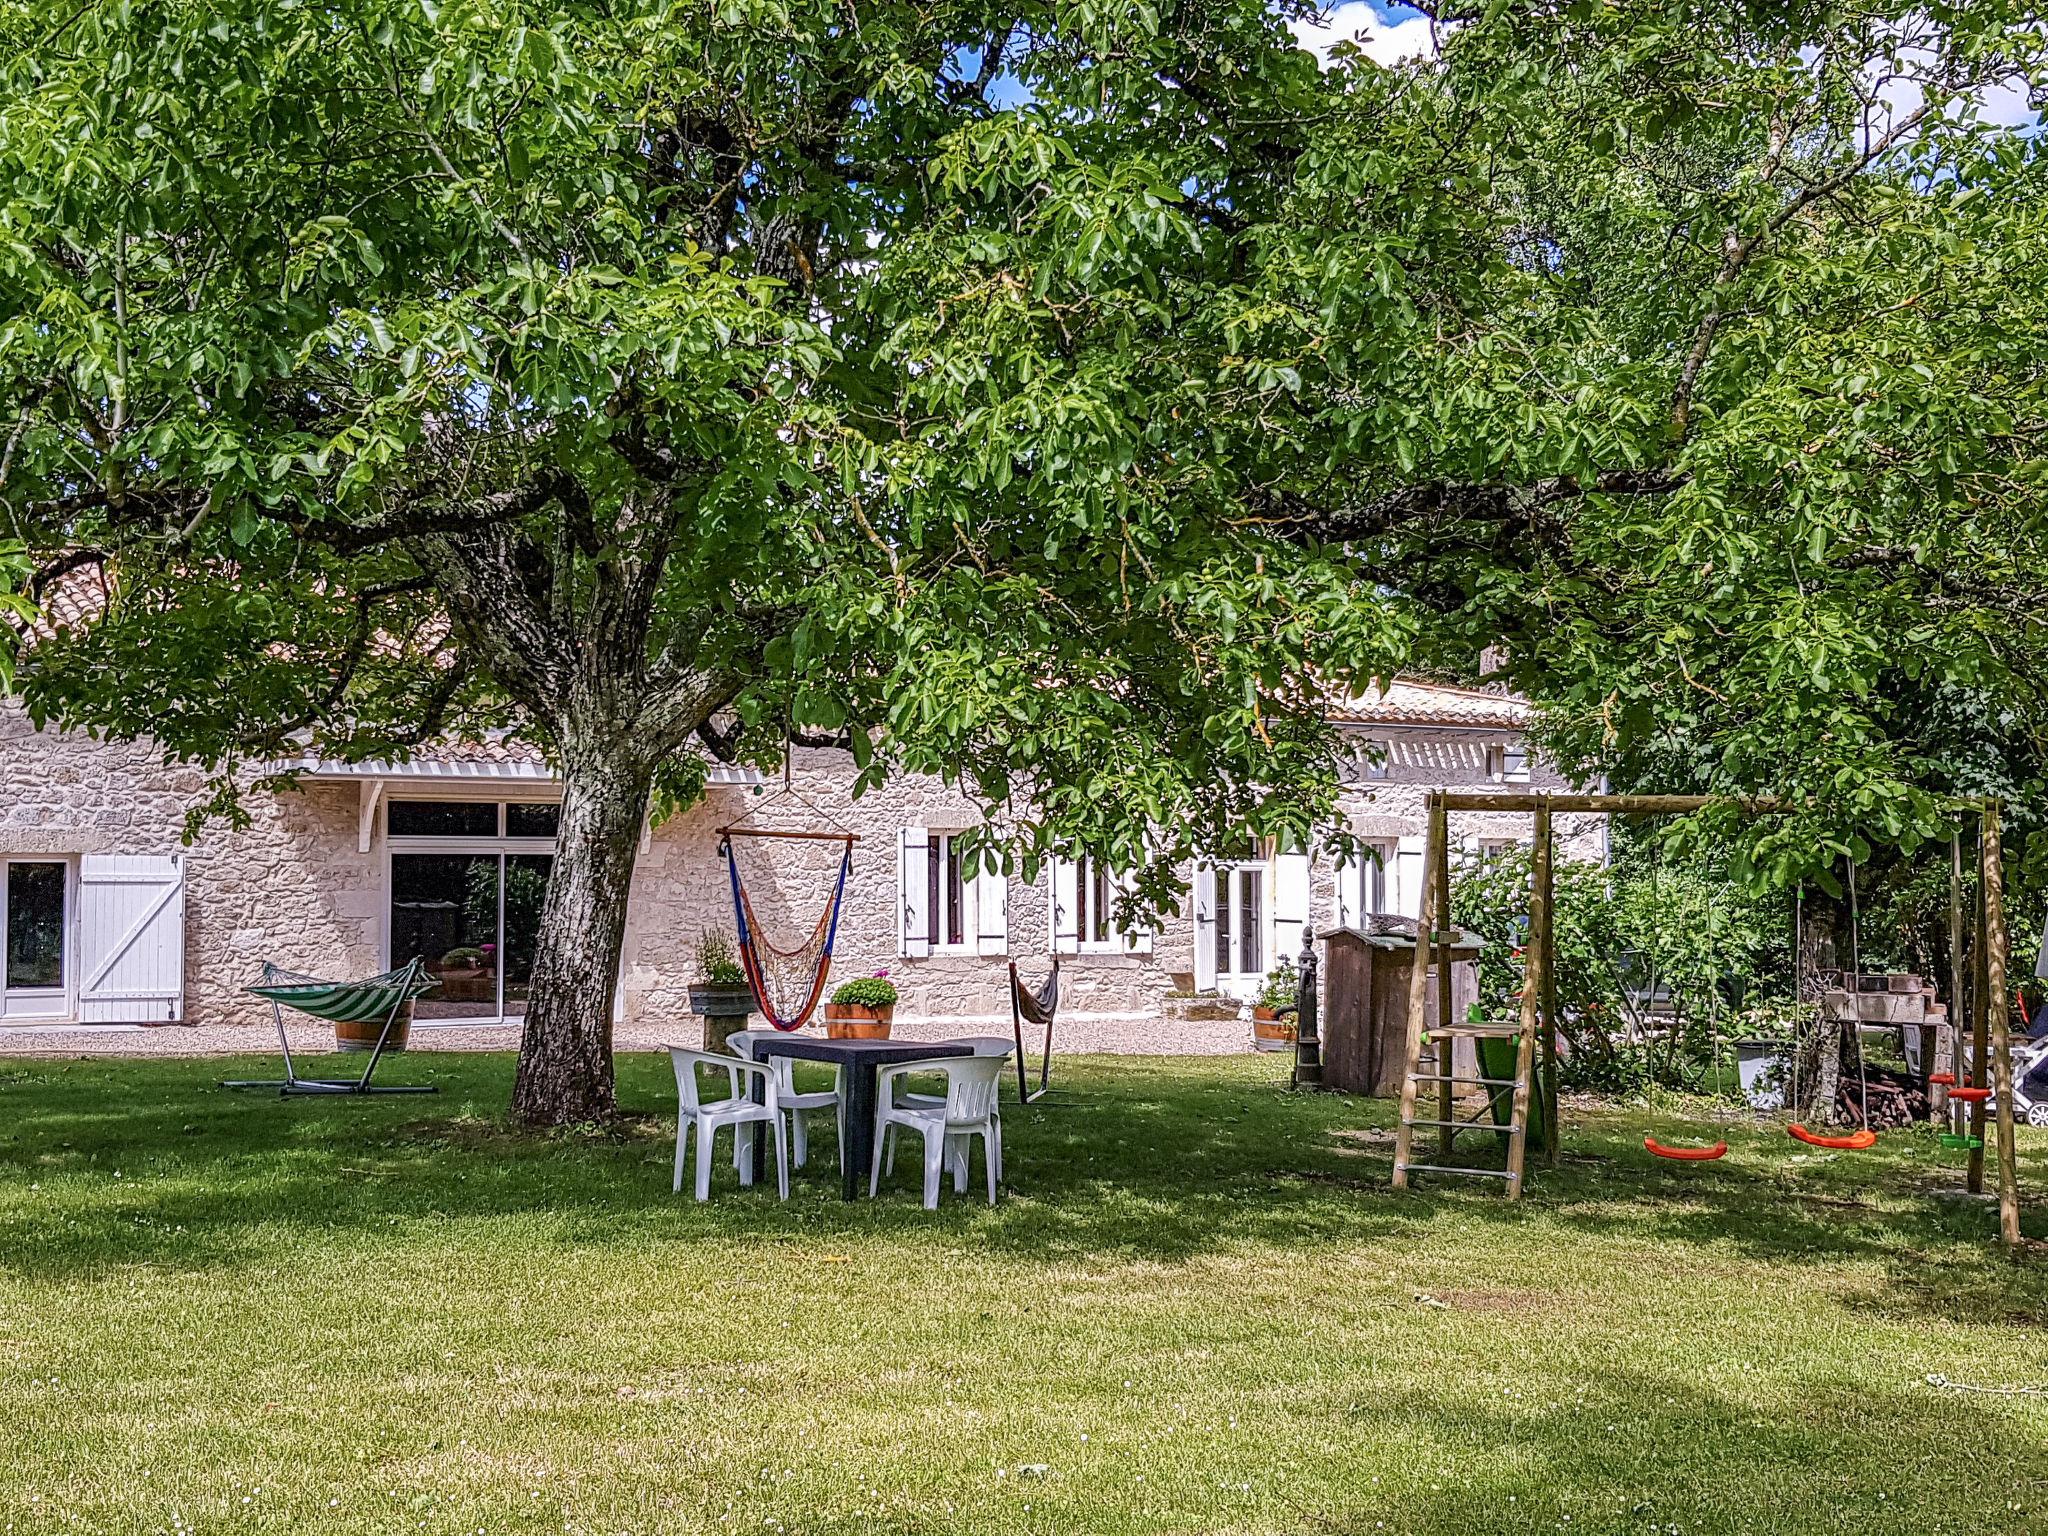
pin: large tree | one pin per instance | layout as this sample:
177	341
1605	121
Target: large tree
663	380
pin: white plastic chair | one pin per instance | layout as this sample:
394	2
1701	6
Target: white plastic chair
969	1110
794	1104
1002	1047
737	1111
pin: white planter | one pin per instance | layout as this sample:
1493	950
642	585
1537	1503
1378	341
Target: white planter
1761	1065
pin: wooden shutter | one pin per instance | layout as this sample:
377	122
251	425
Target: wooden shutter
131	938
991	911
913	890
1290	906
1066	907
1205	928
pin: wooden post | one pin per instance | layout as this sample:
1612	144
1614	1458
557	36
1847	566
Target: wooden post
2001	1045
1948	1057
1542	975
1418	1001
1447	1046
1979	1020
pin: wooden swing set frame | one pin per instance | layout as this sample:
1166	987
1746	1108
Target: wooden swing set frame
1990	1035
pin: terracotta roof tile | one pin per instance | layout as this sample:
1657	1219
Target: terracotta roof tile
1411	701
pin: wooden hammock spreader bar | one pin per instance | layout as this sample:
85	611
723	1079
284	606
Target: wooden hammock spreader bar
798	837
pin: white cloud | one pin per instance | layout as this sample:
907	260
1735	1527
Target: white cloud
1388	42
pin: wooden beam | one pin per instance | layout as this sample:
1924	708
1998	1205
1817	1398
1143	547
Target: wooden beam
1980	1021
1418	1004
1542	972
1447	1048
2001	1043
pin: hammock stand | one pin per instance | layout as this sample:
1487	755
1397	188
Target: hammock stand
1040	1006
382	997
757	956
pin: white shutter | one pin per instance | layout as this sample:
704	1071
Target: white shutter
1066	907
131	938
1407	894
913	867
1205	928
991	911
1290	905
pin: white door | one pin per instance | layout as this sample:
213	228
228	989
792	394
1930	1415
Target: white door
1241	942
35	938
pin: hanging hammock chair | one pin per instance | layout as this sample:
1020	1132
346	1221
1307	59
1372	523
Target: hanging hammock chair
787	983
1038	1006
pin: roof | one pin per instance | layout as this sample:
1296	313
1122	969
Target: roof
1413	701
498	756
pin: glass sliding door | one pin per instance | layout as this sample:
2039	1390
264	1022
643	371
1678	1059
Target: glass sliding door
526	887
444	910
34	979
468	880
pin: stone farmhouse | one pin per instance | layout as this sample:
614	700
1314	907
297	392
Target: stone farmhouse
112	922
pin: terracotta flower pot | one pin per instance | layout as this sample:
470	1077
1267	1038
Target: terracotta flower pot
1270	1032
850	1021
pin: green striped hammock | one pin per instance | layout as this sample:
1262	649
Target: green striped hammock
369	1001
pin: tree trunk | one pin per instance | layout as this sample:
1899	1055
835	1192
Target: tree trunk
565	1053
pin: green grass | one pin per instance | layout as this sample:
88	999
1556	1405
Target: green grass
1200	1310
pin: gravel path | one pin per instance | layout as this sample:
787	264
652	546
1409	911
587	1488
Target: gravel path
1139	1037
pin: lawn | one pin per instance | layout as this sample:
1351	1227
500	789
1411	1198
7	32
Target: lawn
1200	1310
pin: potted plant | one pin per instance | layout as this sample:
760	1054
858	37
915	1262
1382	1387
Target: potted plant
720	994
1279	996
861	1009
1763	1054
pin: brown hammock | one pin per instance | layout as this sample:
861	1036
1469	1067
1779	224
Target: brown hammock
1040	1007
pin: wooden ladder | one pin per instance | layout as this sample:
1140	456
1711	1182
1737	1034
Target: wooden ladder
1441	1070
1433	939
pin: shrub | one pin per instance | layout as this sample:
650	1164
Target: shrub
1282	988
717	964
865	992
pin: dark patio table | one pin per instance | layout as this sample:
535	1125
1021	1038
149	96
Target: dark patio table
860	1063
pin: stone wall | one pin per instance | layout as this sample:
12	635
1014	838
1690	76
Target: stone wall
290	887
293	886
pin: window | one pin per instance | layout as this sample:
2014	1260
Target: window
1376	878
1508	762
468	881
1240	920
1493	849
1374	759
948	899
950	903
1086	895
34	969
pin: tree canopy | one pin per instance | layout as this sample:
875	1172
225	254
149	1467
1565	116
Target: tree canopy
1062	399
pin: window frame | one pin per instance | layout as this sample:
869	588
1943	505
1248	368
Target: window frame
40	1005
1229	941
1376	876
951	901
1096	931
501	844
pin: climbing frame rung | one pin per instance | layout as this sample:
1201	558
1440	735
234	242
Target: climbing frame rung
1470	1173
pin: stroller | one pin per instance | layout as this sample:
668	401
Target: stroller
2030	1072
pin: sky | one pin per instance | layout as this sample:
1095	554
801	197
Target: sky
1391	33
